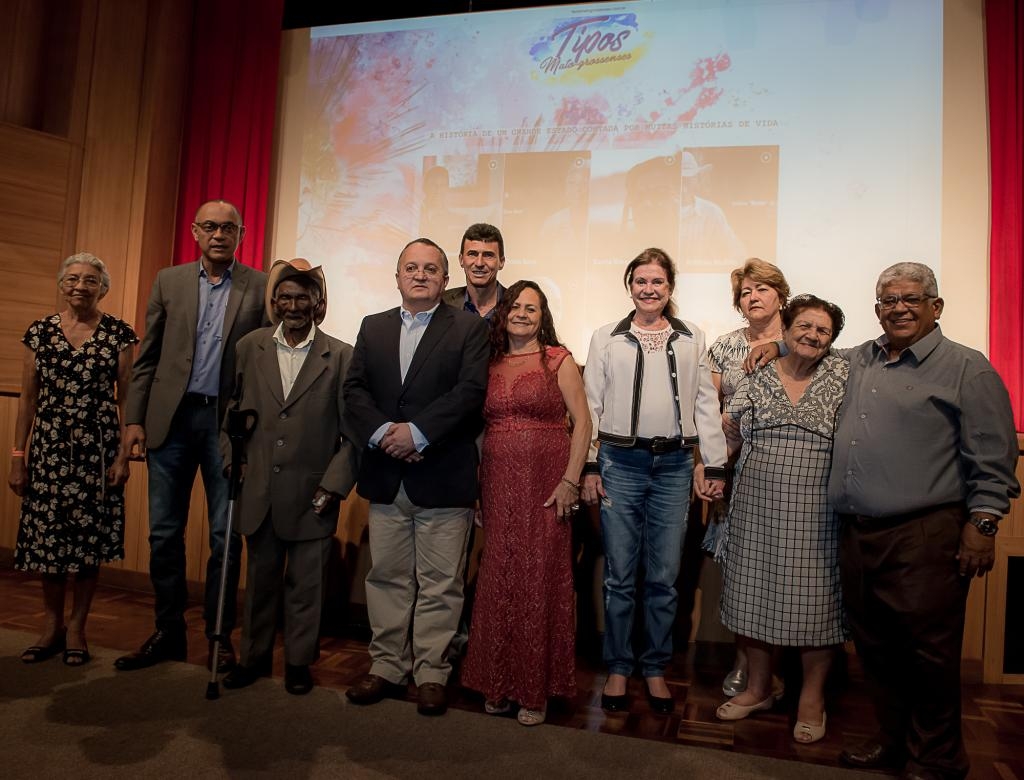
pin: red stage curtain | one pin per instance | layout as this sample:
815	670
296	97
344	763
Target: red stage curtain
1004	37
229	121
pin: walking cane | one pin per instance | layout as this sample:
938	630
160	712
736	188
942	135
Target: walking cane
240	424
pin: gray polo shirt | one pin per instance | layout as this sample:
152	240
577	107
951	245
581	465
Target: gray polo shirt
931	427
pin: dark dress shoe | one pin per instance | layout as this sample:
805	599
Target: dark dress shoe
297	679
662	705
872	755
614	703
225	657
243	676
372	688
161	646
432	699
914	771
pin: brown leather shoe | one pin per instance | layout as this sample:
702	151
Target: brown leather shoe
433	699
372	688
873	755
225	656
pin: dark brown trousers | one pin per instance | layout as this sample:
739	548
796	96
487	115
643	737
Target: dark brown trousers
905	601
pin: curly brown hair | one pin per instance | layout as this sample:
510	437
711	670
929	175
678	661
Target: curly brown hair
546	336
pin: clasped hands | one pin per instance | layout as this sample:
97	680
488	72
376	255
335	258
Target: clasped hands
398	443
706	489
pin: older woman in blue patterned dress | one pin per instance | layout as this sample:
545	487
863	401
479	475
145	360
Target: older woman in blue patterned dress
781	574
74	378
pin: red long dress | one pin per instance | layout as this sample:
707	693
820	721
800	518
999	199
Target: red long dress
522	634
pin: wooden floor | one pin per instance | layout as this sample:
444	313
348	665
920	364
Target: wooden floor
993	715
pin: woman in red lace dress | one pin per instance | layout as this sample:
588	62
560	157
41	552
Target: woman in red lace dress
522	638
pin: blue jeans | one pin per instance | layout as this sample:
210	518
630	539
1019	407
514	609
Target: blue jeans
193	443
643	521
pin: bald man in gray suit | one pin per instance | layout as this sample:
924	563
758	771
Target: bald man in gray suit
180	387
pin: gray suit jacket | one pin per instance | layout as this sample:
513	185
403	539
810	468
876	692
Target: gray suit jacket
162	369
298	443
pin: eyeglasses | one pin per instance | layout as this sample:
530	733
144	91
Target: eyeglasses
227	228
430	271
911	301
88	281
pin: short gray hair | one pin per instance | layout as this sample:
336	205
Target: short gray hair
86	258
914	272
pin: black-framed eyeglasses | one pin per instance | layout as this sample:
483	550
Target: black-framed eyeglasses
227	228
911	301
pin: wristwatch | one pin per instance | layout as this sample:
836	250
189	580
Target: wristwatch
985	525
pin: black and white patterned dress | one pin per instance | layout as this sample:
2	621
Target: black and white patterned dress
781	572
70	517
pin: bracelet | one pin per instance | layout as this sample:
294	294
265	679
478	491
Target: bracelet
571	484
17	453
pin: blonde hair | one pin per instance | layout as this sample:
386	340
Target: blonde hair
763	272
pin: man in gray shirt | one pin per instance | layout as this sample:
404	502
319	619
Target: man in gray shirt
922	472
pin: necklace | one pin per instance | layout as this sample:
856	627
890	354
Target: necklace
751	340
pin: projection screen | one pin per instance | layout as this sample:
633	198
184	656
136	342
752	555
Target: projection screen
810	134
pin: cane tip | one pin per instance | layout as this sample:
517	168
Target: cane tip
212	691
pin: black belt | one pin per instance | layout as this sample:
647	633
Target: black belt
198	399
659	445
891	520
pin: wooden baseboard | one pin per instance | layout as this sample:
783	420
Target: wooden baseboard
125	579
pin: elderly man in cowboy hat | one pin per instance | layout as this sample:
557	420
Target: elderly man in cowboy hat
705	235
299	464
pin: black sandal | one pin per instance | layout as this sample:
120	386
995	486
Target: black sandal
75	657
38	653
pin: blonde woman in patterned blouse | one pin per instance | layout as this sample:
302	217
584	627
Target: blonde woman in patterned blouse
759	294
74	377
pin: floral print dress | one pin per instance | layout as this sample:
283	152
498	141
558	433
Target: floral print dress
70	517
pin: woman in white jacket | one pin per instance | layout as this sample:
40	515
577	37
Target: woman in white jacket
652	402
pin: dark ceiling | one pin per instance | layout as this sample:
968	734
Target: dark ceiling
312	13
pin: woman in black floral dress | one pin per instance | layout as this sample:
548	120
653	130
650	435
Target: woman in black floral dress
74	379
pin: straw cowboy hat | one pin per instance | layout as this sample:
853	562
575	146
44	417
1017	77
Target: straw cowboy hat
289	269
690	166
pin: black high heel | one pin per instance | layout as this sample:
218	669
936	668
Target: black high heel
618	703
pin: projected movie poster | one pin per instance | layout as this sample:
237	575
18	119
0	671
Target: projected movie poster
587	133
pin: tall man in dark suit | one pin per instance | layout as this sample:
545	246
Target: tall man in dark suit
413	396
180	386
481	255
298	466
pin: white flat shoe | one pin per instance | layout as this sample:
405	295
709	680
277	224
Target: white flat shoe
733	711
806	733
532	717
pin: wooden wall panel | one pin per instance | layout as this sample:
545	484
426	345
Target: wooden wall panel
35	179
23	23
1009	542
112	133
